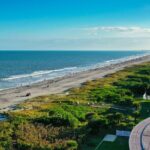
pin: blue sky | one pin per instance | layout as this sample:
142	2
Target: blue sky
74	24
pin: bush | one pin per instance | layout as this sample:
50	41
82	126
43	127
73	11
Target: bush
72	145
5	135
127	101
59	117
27	146
96	125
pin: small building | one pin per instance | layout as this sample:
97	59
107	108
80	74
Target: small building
146	96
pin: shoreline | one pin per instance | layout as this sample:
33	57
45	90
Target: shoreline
74	70
10	97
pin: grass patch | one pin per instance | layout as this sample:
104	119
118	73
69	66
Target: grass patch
91	142
120	143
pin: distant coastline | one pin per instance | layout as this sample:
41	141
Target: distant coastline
27	68
11	97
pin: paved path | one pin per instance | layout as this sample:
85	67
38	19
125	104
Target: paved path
140	136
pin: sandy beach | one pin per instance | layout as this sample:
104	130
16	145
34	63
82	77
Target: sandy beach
11	97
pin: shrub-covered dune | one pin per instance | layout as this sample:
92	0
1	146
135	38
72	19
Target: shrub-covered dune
65	121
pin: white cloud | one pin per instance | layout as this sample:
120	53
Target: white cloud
120	29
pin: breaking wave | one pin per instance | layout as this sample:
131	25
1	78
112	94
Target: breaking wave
38	76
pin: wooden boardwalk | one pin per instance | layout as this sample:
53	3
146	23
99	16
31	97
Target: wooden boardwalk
140	136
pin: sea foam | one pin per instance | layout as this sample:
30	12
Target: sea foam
38	76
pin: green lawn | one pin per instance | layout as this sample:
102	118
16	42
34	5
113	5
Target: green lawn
91	143
121	143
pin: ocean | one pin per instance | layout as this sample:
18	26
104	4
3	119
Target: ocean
18	68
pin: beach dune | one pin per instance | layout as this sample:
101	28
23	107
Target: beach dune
11	97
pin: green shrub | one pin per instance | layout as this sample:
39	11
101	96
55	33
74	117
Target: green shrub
71	145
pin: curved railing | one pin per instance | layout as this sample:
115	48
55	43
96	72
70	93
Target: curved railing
136	140
141	136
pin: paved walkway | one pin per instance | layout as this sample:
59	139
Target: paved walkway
140	136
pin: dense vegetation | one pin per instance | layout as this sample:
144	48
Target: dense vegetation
66	121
